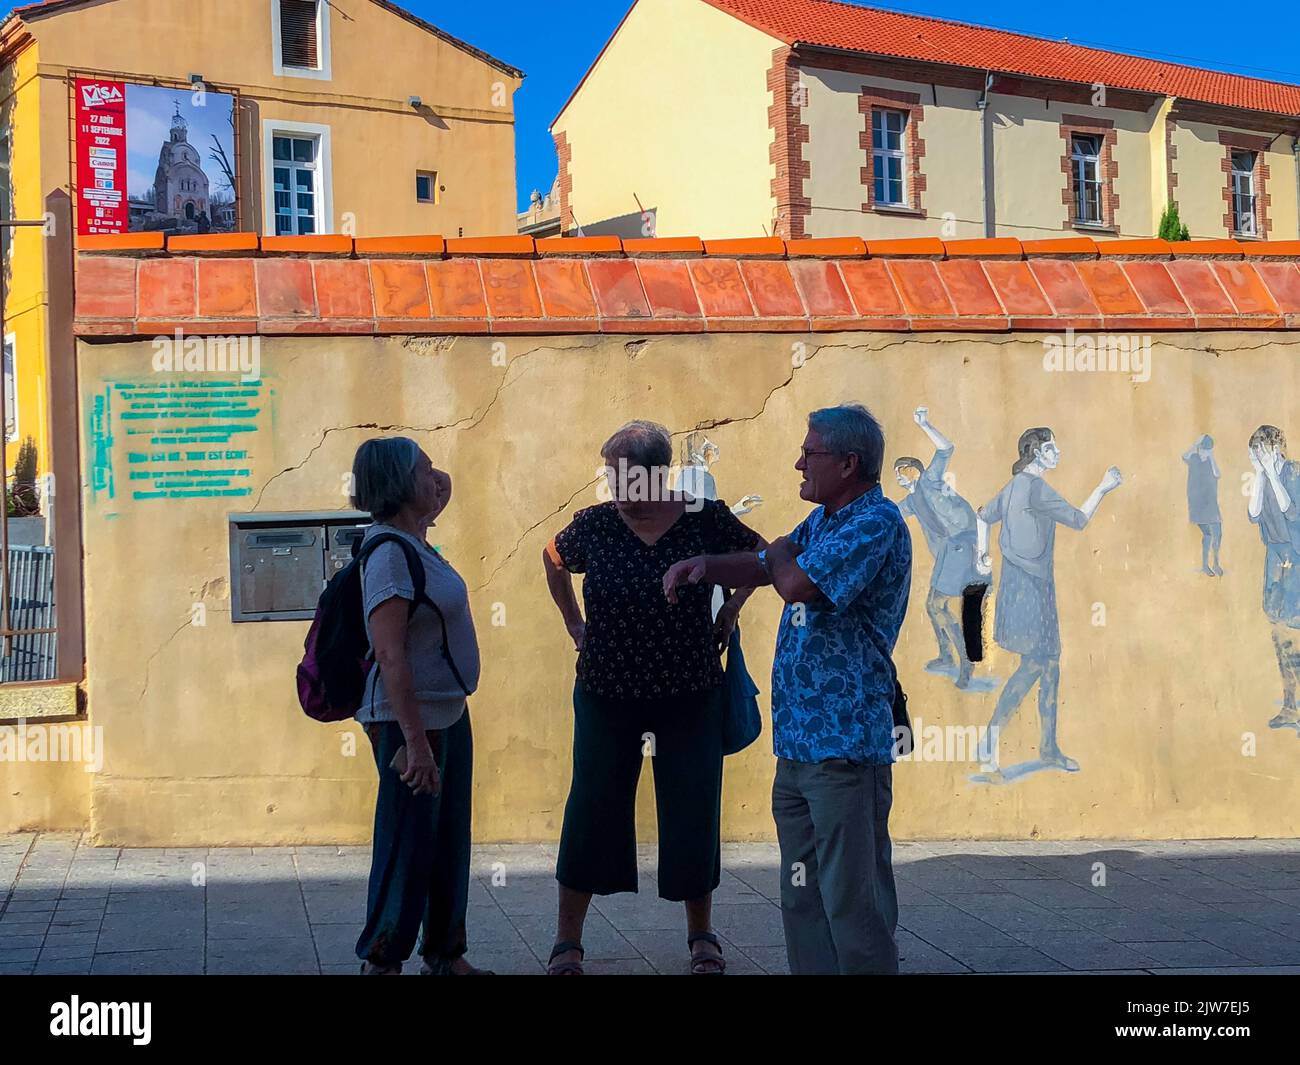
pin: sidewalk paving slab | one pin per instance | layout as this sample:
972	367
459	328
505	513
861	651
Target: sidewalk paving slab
1001	906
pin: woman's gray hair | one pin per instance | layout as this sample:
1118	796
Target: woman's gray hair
851	429
383	475
639	443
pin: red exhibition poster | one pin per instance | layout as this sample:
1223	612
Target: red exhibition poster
101	157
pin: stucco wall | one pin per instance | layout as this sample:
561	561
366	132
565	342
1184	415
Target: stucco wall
952	163
1202	181
204	742
675	114
1027	150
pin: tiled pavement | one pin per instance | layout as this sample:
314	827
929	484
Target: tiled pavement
985	907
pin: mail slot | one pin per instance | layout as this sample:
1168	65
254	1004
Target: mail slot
280	562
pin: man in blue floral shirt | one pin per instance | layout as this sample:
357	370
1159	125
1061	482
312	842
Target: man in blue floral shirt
844	573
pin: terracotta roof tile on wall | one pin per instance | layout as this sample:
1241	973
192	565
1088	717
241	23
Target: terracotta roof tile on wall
423	285
831	24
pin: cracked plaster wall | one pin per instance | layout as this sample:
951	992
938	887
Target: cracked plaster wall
205	743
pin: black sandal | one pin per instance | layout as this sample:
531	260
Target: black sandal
565	968
717	963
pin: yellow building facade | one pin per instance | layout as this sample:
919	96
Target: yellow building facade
759	120
386	98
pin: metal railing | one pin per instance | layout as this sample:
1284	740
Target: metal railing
31	647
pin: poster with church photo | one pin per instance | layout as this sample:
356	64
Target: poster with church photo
154	159
180	149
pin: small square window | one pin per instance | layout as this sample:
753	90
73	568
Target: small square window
426	186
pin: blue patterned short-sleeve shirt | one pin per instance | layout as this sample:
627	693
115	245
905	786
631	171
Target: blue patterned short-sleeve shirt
832	682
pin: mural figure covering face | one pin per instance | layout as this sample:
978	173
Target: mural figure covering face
1026	623
949	525
1274	505
1203	501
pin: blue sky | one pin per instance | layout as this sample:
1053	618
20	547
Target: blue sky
555	43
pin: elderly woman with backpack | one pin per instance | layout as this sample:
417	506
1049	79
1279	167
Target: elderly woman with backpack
414	711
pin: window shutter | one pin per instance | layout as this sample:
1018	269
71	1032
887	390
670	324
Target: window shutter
298	36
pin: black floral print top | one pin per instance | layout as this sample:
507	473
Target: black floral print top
638	645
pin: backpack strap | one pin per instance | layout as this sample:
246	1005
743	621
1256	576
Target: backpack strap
416	566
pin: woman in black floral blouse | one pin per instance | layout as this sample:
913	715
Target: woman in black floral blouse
649	682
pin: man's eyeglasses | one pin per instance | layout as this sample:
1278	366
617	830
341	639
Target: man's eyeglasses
805	453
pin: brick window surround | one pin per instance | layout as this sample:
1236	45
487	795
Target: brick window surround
1108	169
789	135
872	99
1245	142
564	183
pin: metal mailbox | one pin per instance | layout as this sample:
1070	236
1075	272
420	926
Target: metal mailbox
279	563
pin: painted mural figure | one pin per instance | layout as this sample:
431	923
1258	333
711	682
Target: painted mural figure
1026	621
694	478
1274	506
698	454
949	525
1203	501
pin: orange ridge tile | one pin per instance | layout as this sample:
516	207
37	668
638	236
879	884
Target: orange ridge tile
1152	247
313	244
120	242
771	247
1271	249
424	247
1205	248
911	248
827	248
486	247
664	246
984	248
579	246
198	243
1061	246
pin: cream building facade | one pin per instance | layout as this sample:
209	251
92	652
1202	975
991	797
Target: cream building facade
822	119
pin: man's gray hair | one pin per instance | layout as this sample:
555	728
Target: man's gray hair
383	475
639	443
851	429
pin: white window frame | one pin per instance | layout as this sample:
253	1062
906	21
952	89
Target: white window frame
10	355
273	127
322	45
878	155
1079	163
434	199
1243	190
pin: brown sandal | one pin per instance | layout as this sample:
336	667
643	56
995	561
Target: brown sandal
565	968
706	964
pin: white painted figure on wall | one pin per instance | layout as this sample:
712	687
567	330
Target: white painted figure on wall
1274	505
1026	621
949	525
1203	502
694	478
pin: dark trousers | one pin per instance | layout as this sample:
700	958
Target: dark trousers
612	738
839	904
419	870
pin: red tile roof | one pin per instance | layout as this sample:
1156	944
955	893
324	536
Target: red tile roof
829	24
143	284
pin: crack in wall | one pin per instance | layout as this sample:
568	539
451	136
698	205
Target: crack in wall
144	688
474	419
527	532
